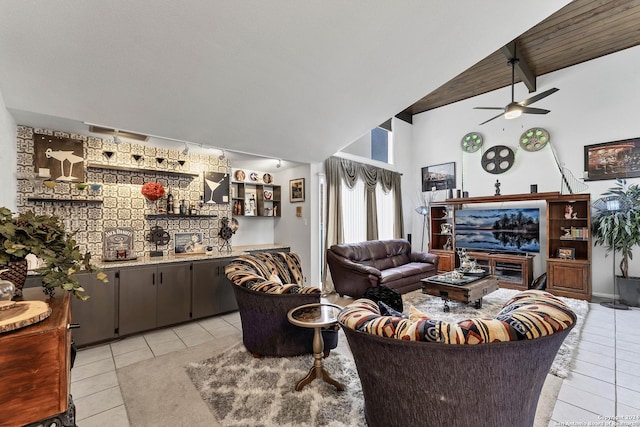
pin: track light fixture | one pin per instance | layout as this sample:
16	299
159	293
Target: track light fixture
116	138
185	150
222	156
279	163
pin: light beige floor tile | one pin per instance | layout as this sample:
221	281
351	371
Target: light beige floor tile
595	358
629	356
129	344
584	399
597	348
132	357
594	371
213	323
193	340
94	384
629	397
188	329
115	417
630	381
161	348
89	355
629	414
633	347
629	367
607	341
162	336
98	402
92	369
591	385
565	413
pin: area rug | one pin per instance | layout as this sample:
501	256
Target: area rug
491	305
244	391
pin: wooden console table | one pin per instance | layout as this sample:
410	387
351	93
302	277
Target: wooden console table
35	367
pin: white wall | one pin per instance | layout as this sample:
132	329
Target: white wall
597	102
8	135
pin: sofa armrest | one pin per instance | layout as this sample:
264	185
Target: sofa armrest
425	257
359	268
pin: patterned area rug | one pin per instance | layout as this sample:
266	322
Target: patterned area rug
491	305
244	391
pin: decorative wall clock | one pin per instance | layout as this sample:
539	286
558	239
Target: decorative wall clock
471	142
534	139
498	159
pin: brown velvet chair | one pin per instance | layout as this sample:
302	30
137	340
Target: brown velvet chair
263	304
434	381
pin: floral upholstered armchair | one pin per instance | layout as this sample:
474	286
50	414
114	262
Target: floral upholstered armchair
267	285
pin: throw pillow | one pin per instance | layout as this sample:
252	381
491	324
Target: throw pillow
415	314
274	277
385	310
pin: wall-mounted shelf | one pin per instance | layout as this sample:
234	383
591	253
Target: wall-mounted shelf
54	200
168	216
506	198
146	170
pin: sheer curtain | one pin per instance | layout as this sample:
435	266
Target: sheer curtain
343	174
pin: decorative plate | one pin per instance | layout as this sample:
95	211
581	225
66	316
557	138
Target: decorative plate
471	142
498	159
253	176
534	139
268	194
240	175
267	178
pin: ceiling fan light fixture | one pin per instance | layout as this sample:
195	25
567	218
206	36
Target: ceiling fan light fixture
513	112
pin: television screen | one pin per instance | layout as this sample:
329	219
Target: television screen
498	230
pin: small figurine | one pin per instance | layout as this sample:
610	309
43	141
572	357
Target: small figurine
497	185
568	211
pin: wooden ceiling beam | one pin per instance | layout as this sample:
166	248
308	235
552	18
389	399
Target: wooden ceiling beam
522	68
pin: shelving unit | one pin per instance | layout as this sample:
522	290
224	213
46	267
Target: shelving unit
66	200
569	246
173	216
264	207
439	241
568	276
146	170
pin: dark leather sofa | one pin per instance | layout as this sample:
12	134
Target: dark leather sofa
355	267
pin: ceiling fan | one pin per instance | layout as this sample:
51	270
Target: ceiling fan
516	109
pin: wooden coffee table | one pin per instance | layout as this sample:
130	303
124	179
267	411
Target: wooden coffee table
468	289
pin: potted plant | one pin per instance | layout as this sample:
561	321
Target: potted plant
45	237
616	226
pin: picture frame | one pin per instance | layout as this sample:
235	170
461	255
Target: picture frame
566	253
216	187
188	243
439	177
296	190
611	160
59	159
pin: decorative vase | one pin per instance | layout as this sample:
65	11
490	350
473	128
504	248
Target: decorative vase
16	273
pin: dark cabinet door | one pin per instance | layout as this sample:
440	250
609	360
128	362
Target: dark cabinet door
212	292
97	315
137	300
174	294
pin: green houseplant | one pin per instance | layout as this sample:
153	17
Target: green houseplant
616	226
45	237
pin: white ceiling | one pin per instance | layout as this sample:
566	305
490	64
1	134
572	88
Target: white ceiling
295	80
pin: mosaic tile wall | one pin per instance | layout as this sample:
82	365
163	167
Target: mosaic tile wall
119	201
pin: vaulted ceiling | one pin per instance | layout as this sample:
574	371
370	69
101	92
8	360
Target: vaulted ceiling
580	31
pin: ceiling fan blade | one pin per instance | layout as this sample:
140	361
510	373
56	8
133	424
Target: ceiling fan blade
492	118
488	108
529	110
538	97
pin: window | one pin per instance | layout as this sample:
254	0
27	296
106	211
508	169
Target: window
385	212
354	216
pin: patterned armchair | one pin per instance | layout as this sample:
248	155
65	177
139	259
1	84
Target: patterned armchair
473	373
267	286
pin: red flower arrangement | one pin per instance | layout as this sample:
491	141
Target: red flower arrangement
152	190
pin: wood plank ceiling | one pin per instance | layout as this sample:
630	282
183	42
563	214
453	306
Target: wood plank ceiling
581	31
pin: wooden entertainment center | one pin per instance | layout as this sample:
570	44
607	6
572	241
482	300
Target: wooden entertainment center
568	243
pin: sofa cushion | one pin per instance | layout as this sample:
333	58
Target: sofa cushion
529	316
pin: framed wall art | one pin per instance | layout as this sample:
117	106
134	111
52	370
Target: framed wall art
611	160
566	253
439	177
216	187
296	190
188	243
59	159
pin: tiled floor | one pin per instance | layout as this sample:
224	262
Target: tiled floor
604	384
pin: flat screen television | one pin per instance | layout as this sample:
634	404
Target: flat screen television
498	230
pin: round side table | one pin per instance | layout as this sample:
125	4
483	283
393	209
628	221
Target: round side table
316	316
